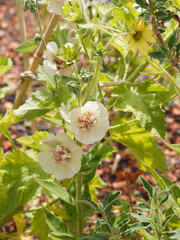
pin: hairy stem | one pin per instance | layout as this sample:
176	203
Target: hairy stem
137	71
37	58
39	24
79	205
93	81
22	30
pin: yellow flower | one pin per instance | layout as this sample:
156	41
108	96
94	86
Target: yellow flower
139	37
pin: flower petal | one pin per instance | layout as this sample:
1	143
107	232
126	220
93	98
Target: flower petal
50	66
46	161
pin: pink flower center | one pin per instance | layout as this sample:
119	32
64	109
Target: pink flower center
61	155
87	122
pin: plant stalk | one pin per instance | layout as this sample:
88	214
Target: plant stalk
93	81
22	30
137	72
79	205
37	58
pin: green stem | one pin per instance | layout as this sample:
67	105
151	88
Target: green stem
101	95
39	24
79	205
137	72
156	65
93	81
8	135
97	6
120	125
57	89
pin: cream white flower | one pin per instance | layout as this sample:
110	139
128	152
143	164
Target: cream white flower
55	6
88	123
60	156
53	64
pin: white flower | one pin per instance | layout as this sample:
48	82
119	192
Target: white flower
88	123
55	65
55	6
60	155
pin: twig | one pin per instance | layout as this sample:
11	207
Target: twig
37	58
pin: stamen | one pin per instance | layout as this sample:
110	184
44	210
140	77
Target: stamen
61	155
87	122
137	35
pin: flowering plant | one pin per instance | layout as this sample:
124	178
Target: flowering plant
104	73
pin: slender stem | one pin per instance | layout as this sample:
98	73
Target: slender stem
37	58
39	24
85	49
8	135
93	81
129	192
137	72
57	89
156	65
100	92
79	205
22	29
97	6
120	125
111	34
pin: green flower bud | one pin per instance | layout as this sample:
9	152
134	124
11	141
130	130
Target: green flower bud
31	5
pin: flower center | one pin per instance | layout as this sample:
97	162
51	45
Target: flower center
61	155
137	35
87	122
59	63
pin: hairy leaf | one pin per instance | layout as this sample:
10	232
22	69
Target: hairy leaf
143	145
33	140
8	120
144	105
39	225
28	46
40	103
5	64
57	190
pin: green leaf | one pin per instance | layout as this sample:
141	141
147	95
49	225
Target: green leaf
172	40
142	4
146	186
96	182
40	103
144	105
28	46
158	55
174	234
8	120
5	64
33	140
93	159
89	203
60	36
45	76
62	236
96	236
164	223
72	84
163	184
39	225
143	207
18	187
145	234
137	226
56	190
57	225
5	90
109	200
143	145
